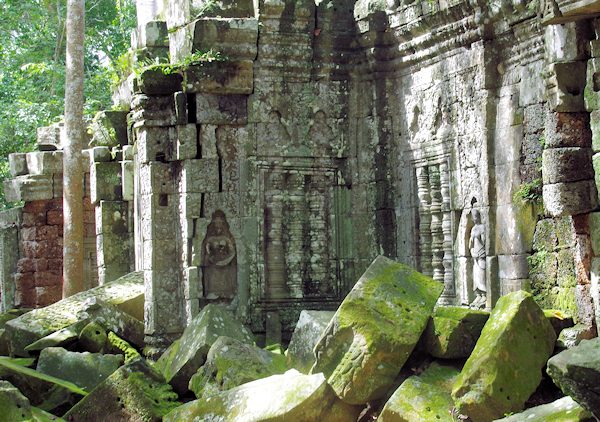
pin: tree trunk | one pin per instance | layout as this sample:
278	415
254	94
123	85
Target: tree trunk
73	163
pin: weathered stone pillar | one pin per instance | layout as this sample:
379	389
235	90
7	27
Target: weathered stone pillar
568	174
10	222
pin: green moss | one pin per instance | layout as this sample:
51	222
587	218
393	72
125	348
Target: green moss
425	397
162	398
128	350
505	366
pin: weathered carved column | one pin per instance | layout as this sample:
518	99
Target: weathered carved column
425	238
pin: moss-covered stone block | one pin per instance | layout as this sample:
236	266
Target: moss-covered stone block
577	371
506	365
375	329
14	406
85	370
185	356
230	363
453	331
127	293
44	391
424	398
544	237
109	128
93	337
158	80
279	398
4	318
562	410
135	392
307	333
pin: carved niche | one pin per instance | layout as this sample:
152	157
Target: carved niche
298	258
435	226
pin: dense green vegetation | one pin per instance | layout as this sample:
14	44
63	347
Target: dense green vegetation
32	52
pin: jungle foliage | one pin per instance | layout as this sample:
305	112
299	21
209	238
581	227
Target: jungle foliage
32	65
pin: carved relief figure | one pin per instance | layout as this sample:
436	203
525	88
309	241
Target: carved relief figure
219	261
278	130
477	249
320	132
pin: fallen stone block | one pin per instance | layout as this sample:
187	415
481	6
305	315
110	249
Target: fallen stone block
506	365
127	293
4	318
93	337
577	371
186	355
288	397
231	363
113	319
561	410
14	406
375	329
85	370
44	391
59	338
425	397
307	333
452	332
572	336
135	392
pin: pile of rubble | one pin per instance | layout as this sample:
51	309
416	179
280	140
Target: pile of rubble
386	353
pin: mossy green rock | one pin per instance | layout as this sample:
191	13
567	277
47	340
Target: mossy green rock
375	329
453	331
44	391
85	370
14	406
506	365
230	363
424	398
307	333
577	372
279	398
135	392
113	319
127	293
159	80
185	356
4	318
561	410
93	337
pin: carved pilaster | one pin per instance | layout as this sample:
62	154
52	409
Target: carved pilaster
424	220
449	288
437	235
275	259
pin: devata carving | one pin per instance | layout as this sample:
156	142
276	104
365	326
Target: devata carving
477	249
219	259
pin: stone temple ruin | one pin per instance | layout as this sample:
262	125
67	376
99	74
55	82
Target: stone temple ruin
430	132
